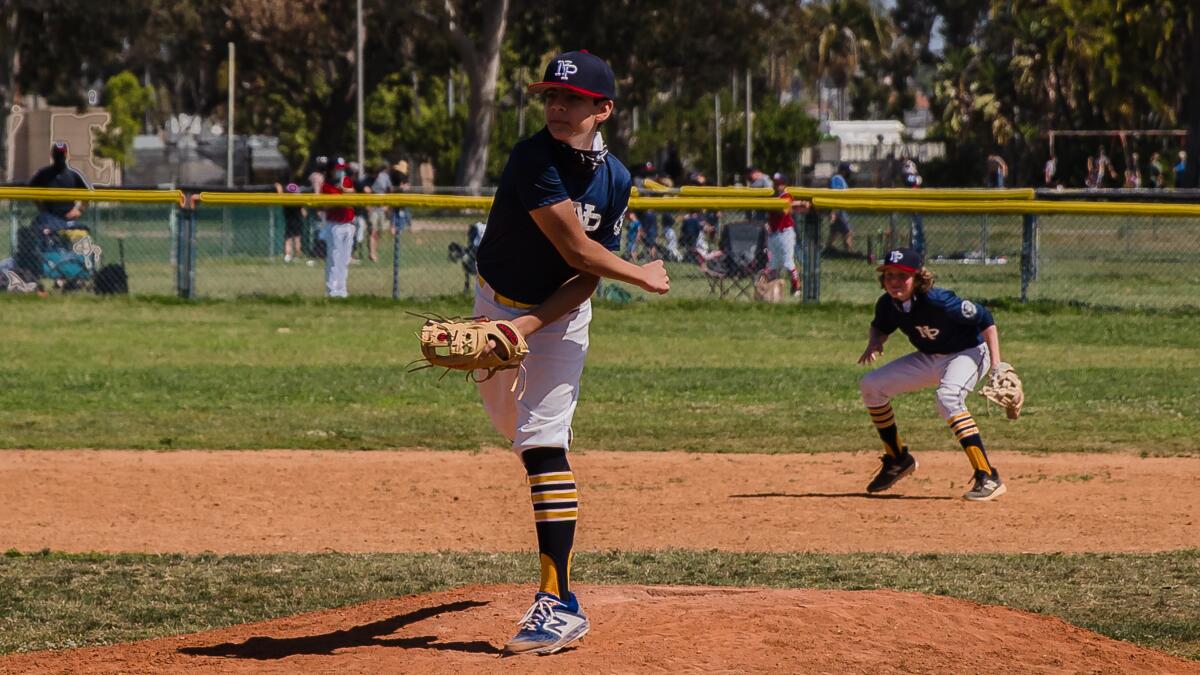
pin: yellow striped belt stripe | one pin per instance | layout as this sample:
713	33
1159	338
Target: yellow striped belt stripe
503	299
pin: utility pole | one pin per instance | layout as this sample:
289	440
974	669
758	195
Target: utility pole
717	131
749	125
229	125
358	63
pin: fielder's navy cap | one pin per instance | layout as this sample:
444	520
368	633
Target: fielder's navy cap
59	148
581	72
903	259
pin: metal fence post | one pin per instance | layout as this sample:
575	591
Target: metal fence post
179	252
191	258
1029	253
396	265
983	239
173	224
185	253
271	231
810	258
12	232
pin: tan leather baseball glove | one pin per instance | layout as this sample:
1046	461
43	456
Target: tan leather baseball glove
1005	390
461	344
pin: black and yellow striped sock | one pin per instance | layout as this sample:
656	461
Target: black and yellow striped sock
964	428
555	510
885	423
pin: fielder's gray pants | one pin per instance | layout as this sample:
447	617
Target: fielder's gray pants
954	375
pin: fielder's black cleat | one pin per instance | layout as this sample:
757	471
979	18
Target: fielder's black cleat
893	469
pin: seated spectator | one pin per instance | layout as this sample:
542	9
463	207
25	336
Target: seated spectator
59	215
705	250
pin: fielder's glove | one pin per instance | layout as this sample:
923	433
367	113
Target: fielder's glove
459	344
1005	390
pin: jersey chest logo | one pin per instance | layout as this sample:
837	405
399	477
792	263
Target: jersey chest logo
927	332
588	216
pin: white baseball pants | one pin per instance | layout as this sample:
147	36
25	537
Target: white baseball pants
539	412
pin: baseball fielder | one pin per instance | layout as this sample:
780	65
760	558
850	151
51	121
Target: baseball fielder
956	342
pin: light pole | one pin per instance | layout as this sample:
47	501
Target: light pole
229	125
358	62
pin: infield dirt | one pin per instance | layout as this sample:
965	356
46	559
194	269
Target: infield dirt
393	501
302	501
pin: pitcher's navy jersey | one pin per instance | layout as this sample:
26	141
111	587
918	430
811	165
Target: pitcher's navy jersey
937	322
515	258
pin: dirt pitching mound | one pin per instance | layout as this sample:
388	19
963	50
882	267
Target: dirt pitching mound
637	629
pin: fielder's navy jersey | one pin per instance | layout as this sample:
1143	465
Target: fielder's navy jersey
515	258
937	322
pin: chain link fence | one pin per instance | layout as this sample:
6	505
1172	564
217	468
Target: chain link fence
1144	262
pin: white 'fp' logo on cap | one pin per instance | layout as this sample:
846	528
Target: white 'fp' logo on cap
895	257
566	69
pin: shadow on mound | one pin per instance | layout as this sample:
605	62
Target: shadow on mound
637	629
261	647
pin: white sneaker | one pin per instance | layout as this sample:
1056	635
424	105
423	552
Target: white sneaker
548	626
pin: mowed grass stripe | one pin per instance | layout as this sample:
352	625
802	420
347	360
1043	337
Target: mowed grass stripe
704	376
52	601
717	409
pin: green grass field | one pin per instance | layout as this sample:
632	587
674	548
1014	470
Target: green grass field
667	375
703	376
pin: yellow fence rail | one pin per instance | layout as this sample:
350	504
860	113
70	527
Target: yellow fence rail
415	200
667	203
692	198
77	195
925	194
1011	207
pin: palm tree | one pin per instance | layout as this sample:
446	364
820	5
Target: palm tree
851	31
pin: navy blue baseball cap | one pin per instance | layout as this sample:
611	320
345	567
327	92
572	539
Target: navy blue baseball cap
581	72
903	259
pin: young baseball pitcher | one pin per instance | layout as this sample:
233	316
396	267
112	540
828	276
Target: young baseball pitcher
551	235
956	343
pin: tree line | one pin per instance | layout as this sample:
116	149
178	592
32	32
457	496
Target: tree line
444	79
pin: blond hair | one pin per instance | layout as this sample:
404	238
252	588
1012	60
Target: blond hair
922	281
